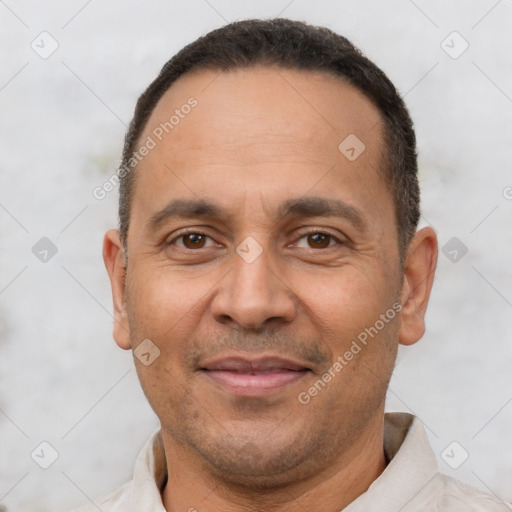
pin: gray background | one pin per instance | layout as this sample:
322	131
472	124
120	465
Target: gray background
62	378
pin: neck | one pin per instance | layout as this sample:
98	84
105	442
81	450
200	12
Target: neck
191	487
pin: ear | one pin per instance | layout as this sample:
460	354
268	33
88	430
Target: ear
420	265
114	261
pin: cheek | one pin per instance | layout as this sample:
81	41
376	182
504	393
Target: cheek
357	324
162	305
344	302
164	310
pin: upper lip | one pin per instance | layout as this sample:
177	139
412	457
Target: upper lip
260	363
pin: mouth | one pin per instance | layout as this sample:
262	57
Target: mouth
254	376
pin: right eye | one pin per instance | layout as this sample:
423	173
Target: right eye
191	240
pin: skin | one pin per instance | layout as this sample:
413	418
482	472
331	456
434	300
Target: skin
259	137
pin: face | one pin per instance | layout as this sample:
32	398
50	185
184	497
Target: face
263	265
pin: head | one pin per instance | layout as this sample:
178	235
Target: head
272	215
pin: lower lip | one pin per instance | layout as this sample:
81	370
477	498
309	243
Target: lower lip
254	384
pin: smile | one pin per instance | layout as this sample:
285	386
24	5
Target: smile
256	377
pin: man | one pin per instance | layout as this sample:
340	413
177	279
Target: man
266	268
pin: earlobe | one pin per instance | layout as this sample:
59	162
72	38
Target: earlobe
114	262
419	272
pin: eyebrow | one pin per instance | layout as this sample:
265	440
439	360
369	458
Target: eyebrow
302	207
322	207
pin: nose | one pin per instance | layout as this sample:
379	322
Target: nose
253	295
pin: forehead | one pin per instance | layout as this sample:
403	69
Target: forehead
260	106
261	131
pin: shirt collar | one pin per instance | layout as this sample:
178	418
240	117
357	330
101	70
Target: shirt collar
411	468
149	478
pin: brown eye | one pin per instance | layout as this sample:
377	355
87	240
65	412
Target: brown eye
319	240
194	240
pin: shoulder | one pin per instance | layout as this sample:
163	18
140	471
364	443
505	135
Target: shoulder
112	502
454	495
142	492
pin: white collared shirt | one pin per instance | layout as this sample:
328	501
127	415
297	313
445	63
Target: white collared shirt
411	481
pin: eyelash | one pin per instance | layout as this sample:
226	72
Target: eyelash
305	234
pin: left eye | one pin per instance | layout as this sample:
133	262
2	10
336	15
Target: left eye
319	240
192	240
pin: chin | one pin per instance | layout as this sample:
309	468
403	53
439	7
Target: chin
266	463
